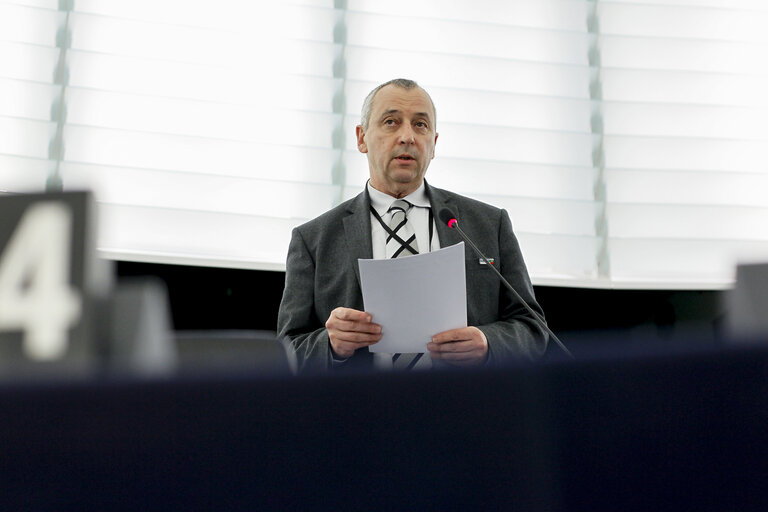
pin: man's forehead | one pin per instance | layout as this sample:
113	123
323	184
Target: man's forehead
396	99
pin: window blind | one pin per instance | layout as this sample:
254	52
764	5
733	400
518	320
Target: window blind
626	139
511	84
204	133
28	93
684	108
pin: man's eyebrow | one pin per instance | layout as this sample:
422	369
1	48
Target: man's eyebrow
389	112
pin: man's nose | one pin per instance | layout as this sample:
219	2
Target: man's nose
407	135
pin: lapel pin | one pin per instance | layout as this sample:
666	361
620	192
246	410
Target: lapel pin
482	261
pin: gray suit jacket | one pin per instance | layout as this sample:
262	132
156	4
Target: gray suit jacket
322	273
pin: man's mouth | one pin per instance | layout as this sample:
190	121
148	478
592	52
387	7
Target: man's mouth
405	157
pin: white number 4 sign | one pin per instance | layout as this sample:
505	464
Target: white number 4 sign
35	294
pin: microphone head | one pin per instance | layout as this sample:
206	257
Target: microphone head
448	217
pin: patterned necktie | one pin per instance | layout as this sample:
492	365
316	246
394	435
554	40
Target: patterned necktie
402	242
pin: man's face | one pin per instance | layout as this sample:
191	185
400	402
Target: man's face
400	139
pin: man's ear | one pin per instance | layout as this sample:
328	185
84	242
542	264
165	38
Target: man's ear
361	146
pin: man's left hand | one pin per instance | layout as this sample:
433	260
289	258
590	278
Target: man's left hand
466	346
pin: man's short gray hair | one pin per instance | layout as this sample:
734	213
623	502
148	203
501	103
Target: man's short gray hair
403	83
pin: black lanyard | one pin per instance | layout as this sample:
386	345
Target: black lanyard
389	230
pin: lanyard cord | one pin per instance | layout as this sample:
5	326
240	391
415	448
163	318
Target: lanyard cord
392	233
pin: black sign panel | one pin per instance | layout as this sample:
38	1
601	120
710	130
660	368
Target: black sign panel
49	282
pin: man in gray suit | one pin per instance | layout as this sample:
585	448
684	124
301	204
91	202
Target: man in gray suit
321	312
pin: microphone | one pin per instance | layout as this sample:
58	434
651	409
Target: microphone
449	218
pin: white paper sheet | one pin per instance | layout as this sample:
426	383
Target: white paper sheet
414	298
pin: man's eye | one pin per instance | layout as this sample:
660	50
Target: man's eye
389	122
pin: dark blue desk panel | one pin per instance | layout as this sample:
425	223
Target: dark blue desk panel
664	431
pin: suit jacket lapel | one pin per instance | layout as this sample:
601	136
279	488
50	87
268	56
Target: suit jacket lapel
357	229
439	200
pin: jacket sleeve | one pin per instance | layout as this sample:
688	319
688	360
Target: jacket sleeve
297	320
515	334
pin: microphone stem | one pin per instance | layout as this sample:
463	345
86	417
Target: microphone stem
510	288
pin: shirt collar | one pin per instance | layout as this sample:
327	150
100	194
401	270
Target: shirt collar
381	201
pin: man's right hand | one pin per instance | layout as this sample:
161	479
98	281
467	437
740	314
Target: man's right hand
350	329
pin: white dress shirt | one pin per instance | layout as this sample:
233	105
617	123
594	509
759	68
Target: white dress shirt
418	217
